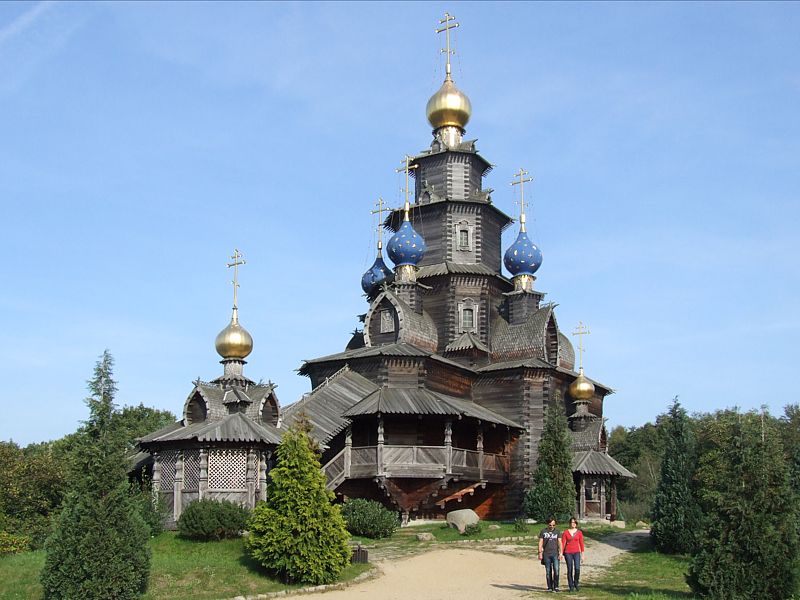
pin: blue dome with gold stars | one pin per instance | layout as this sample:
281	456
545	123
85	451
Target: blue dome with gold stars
406	246
523	256
377	274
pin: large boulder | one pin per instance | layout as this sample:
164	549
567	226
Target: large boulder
459	519
425	536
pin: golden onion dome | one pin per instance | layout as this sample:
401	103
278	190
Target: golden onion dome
449	107
581	388
234	341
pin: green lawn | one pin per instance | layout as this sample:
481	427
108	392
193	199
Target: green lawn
180	569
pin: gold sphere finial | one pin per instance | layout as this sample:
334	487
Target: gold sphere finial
581	388
234	341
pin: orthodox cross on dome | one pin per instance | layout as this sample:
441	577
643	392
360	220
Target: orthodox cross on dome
449	23
408	167
581	330
379	212
521	183
238	260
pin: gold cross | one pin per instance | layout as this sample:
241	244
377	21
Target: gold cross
379	204
446	29
521	183
238	259
407	168
581	330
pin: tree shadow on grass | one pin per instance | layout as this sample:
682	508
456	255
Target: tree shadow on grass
625	590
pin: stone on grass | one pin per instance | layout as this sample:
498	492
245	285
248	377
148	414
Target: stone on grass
425	537
618	524
493	526
459	519
642	524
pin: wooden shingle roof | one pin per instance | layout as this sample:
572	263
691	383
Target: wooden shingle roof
235	427
591	462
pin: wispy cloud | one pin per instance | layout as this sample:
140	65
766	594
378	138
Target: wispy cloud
24	21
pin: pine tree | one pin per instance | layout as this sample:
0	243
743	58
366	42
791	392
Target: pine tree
553	491
298	533
99	547
676	517
748	547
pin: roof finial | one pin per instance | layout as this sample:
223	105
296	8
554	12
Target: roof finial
379	212
449	23
521	183
407	168
238	259
581	330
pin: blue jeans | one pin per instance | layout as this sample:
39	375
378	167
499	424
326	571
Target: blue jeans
573	569
551	568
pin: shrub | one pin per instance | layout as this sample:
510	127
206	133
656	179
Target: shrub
472	529
298	533
153	512
212	520
520	525
369	518
11	544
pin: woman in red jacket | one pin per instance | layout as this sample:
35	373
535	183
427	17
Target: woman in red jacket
573	553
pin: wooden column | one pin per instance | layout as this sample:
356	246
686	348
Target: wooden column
582	500
448	446
202	486
613	498
250	477
177	487
263	457
348	450
479	446
379	457
603	498
156	482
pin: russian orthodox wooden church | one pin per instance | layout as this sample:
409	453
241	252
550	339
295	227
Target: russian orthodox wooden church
438	402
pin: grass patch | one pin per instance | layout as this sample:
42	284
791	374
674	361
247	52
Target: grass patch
180	570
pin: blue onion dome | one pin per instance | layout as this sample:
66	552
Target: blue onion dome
377	274
523	257
406	246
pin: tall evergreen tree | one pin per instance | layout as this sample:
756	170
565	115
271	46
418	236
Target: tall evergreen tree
748	548
553	491
99	547
298	533
676	517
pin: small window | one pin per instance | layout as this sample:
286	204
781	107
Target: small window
463	239
468	319
387	321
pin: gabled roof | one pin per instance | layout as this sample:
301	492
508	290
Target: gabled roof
325	405
589	438
235	427
421	401
528	338
466	341
591	462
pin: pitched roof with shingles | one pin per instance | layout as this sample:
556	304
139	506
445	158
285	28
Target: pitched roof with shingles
591	462
466	341
527	363
589	438
235	427
450	267
415	327
528	338
325	405
421	401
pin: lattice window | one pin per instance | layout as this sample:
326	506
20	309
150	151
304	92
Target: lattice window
168	462
227	469
191	469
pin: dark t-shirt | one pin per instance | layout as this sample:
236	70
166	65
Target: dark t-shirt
550	543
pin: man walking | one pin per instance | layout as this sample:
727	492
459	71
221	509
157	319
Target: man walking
550	552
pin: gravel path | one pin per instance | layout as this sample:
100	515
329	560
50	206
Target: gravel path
480	571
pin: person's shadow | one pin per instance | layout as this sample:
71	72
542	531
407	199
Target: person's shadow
518	587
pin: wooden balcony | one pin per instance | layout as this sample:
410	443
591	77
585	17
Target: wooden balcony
421	462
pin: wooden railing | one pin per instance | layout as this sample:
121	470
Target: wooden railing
414	461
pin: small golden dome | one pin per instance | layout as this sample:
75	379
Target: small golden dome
449	107
234	341
581	388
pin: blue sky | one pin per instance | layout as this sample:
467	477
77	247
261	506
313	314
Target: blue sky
141	142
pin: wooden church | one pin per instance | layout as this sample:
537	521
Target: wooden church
438	403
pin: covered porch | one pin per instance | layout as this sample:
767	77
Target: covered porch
595	475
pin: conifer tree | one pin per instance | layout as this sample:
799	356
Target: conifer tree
298	533
99	547
676	517
748	548
553	491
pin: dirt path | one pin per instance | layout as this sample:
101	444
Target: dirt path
479	572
